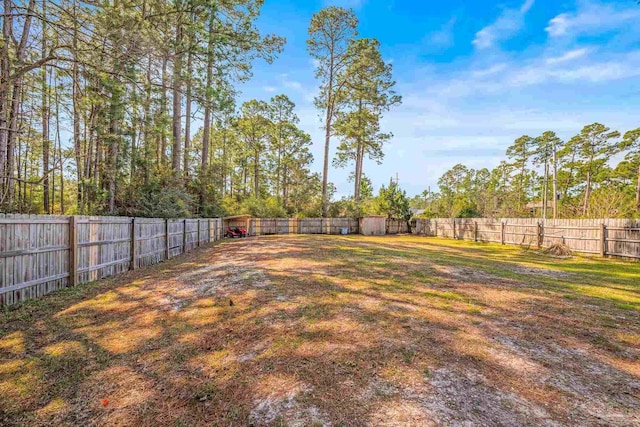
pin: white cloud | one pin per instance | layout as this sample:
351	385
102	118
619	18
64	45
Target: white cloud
528	4
559	25
490	71
292	84
269	89
592	18
508	24
504	77
568	56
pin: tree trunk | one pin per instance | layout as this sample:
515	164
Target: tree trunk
545	195
76	113
45	142
59	142
11	143
187	118
587	194
147	124
207	117
162	147
45	119
133	161
327	139
177	96
114	142
638	190
555	182
256	173
15	104
5	69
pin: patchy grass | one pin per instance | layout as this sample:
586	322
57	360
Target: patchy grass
328	330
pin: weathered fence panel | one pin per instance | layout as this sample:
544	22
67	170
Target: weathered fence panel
614	237
104	247
150	241
34	256
397	226
266	226
41	253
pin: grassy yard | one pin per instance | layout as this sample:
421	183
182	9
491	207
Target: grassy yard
328	330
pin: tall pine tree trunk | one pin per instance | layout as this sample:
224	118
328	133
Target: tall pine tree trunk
45	139
327	140
207	116
638	190
555	182
256	172
187	118
545	190
177	95
162	146
587	194
5	69
59	142
76	113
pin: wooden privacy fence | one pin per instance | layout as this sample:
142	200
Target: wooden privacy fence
615	237
40	254
397	226
263	226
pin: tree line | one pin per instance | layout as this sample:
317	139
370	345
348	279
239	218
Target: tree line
98	103
594	174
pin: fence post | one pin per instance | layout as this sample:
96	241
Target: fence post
475	230
603	240
73	251
453	222
184	236
198	223
134	255
167	239
502	232
435	229
540	234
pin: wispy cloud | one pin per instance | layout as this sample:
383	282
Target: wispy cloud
592	18
509	23
489	71
568	56
503	77
307	92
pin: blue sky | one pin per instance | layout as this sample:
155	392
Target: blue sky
474	76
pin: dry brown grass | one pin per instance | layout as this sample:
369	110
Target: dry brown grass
558	250
333	331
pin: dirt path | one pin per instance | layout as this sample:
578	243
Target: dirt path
329	331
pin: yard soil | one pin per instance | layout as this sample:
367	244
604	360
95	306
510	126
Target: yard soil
333	331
